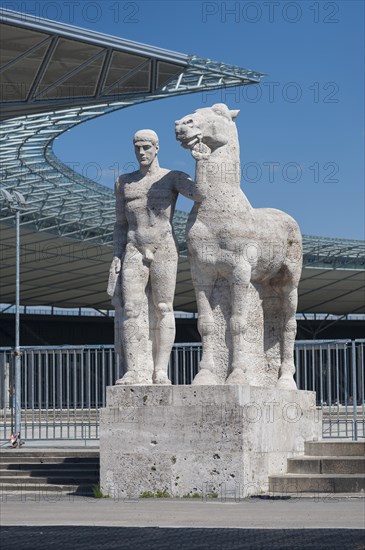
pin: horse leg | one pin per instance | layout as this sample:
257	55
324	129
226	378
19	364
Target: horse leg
204	284
239	283
272	311
289	293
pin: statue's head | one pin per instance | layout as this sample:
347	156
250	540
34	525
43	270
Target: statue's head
214	126
145	146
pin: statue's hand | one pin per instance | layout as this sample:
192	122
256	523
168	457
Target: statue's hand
149	255
116	264
114	271
200	151
116	300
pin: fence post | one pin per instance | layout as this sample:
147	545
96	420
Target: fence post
354	388
4	382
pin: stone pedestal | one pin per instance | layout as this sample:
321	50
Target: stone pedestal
201	440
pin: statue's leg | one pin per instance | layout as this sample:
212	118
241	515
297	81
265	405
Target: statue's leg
273	317
118	346
289	293
288	281
239	284
163	280
135	274
204	281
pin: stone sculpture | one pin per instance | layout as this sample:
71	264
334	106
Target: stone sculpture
230	240
246	263
143	272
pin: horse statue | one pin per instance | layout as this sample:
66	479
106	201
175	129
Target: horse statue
229	239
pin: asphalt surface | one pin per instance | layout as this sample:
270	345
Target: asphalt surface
152	538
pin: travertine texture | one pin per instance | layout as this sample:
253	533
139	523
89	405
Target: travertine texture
246	263
210	440
143	271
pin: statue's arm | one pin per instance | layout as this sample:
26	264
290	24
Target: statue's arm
119	240
189	188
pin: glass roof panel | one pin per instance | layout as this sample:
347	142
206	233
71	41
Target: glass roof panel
68	55
139	82
18	78
121	64
80	84
15	41
166	72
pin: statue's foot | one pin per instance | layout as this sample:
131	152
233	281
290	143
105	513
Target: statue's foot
286	382
160	377
133	378
205	378
237	377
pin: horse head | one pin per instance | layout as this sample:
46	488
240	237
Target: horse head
212	126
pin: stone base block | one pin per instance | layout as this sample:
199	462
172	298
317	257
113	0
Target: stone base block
201	440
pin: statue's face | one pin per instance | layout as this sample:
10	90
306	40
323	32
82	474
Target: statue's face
209	125
146	152
203	125
188	131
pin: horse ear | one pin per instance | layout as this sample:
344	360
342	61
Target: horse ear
234	113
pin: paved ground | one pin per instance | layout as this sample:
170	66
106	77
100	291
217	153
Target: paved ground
95	538
323	513
41	522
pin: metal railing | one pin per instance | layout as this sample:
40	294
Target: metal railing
334	369
63	387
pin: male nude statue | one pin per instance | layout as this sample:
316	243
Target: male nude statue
146	251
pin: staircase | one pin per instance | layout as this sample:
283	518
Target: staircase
55	472
326	467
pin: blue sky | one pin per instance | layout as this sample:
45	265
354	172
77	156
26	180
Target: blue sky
301	132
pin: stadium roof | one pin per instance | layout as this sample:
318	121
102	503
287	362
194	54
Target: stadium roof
57	76
47	66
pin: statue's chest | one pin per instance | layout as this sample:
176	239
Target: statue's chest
148	195
135	192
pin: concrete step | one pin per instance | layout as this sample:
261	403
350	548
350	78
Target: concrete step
334	448
304	483
75	452
56	480
48	473
326	465
58	471
48	460
43	490
40	456
59	466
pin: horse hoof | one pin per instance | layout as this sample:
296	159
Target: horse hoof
132	378
286	383
237	377
205	378
161	378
